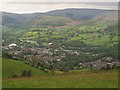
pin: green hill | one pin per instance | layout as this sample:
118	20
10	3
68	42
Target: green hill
78	13
40	79
46	20
110	17
11	67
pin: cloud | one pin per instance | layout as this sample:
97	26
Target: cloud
59	0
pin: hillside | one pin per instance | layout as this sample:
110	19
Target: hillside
45	20
78	79
11	67
110	17
81	14
17	23
18	20
74	79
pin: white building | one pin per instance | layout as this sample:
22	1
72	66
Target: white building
12	45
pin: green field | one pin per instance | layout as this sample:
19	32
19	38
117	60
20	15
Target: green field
11	67
73	79
96	34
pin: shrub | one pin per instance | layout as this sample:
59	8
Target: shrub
14	75
26	73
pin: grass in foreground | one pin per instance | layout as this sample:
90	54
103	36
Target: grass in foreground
11	67
77	80
74	79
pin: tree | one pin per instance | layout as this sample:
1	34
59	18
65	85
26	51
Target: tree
107	66
91	66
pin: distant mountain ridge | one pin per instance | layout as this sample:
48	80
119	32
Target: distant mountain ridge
20	20
84	14
71	15
15	20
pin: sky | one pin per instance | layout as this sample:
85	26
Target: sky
59	0
22	6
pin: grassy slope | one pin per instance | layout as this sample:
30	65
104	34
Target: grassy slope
73	79
84	79
15	67
49	21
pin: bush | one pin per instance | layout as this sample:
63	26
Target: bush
26	73
107	67
14	75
